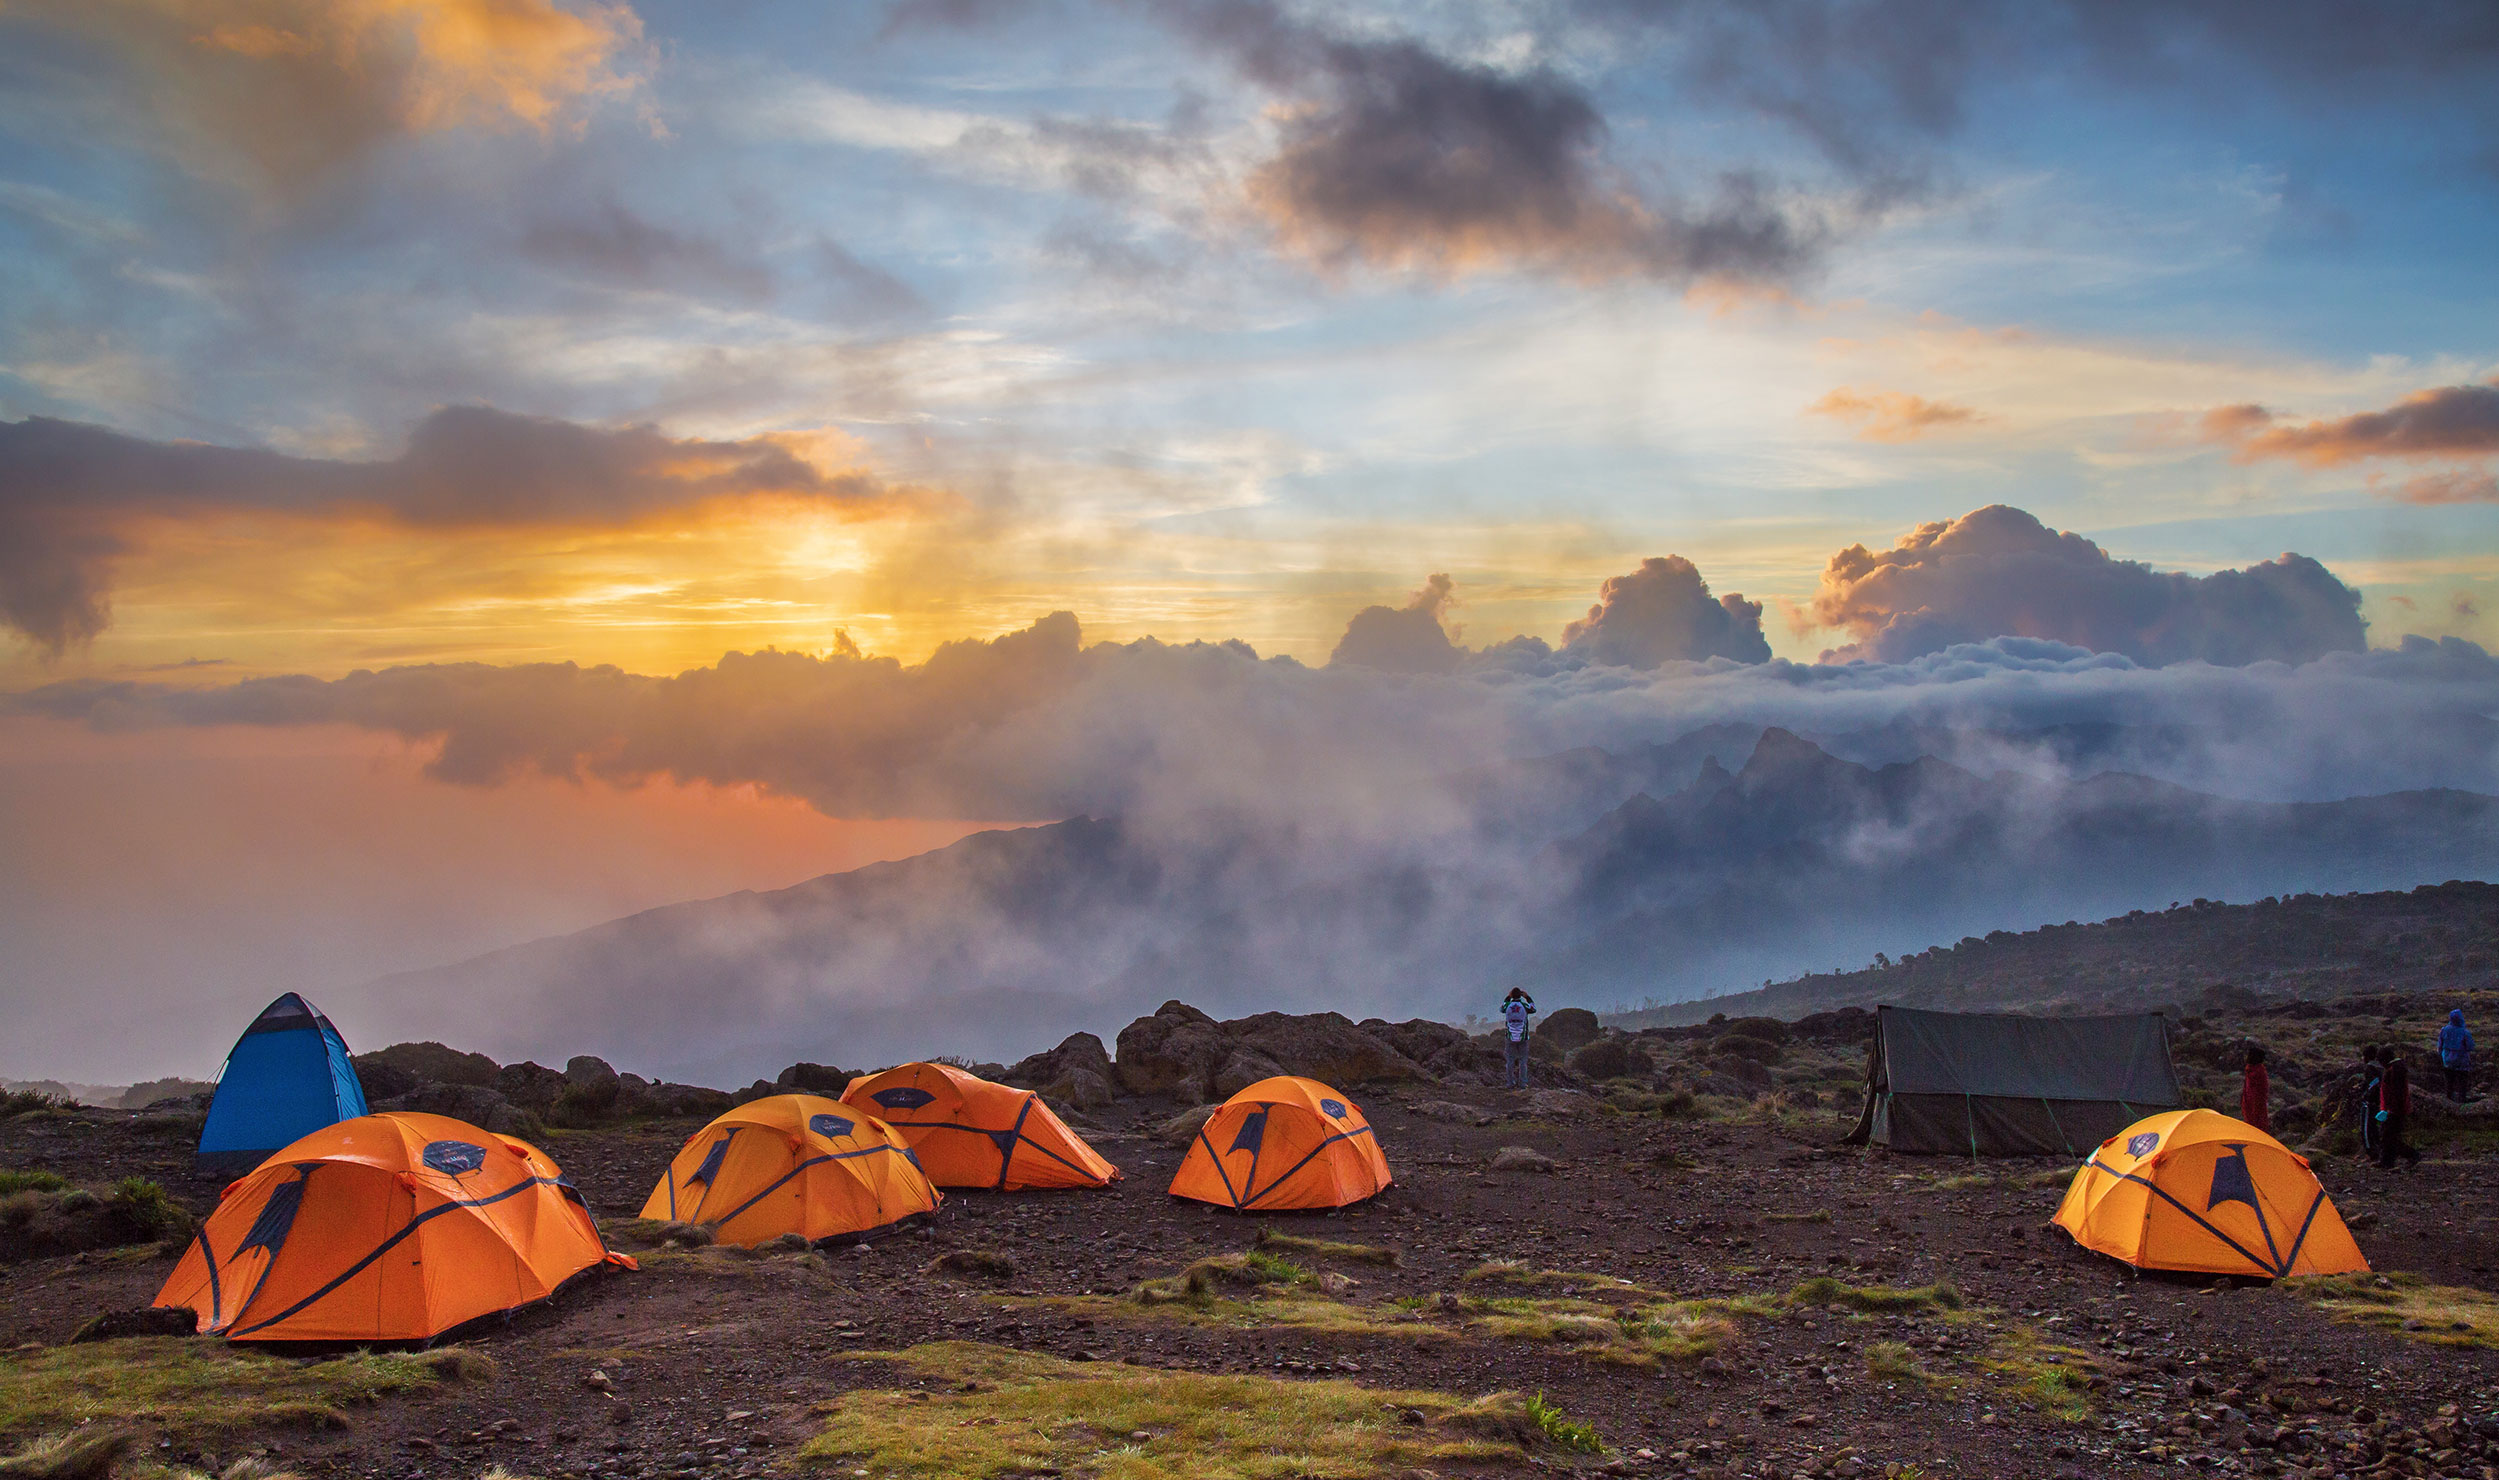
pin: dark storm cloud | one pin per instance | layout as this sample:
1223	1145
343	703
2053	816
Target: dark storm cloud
65	487
1394	155
1999	572
1663	612
1406	639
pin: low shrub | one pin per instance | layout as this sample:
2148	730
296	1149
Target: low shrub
1561	1432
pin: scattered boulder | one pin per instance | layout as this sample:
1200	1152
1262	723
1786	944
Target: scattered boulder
1559	1104
1077	1053
811	1079
1244	1068
1325	1046
1449	1112
672	1101
1521	1159
427	1061
1082	1088
1182	1128
1181	1052
533	1087
1438	1047
588	1069
476	1104
1178	1051
1569	1027
587	1101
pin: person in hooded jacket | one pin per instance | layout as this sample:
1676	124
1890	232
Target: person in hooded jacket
2256	1091
1516	1009
2394	1109
2455	1055
2371	1128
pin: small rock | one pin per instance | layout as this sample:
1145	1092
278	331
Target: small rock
1521	1159
598	1382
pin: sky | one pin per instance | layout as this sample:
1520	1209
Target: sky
350	339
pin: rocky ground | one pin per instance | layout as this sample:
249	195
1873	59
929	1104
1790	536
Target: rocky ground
1678	1256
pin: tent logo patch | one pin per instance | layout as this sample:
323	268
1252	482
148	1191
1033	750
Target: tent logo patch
834	1127
454	1158
1334	1108
904	1098
2141	1146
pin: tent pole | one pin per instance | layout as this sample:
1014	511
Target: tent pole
1969	1117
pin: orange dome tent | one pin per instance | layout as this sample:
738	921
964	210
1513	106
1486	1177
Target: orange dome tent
798	1164
2196	1190
969	1132
1284	1142
392	1227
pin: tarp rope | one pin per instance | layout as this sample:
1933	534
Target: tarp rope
2060	1125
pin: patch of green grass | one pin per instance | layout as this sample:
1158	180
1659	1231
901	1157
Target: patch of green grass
1561	1432
2405	1304
32	1182
1963	1182
1822	1290
2036	1374
1272	1242
1891	1361
1010	1412
1519	1272
1208	1279
187	1386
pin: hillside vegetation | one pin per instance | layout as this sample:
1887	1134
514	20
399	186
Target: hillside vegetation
2201	953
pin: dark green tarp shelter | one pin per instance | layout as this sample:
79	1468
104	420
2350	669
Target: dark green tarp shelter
2001	1084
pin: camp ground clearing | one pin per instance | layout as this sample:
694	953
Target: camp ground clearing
1682	1285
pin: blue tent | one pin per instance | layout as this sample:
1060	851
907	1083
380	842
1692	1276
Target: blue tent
287	1077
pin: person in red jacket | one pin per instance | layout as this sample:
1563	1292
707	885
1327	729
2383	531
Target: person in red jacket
2256	1092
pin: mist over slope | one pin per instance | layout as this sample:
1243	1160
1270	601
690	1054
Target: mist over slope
1797	859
